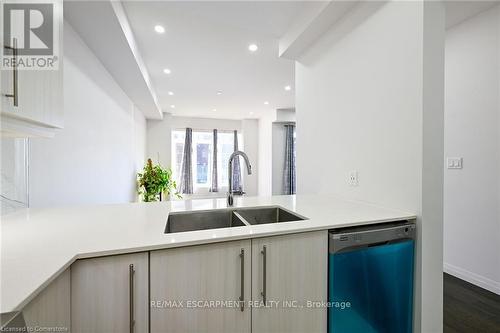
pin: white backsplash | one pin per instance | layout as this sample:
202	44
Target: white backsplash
15	174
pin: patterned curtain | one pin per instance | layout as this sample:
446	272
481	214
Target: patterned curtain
215	187
289	180
236	167
186	182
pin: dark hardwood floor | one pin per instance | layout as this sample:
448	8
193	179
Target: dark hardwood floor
468	308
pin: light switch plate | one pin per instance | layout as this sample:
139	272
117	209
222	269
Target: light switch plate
454	163
353	178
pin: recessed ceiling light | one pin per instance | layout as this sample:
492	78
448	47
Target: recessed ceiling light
172	106
171	93
288	88
253	47
251	113
167	71
219	92
266	103
159	29
214	110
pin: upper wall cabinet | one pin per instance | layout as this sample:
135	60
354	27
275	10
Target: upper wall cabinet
32	68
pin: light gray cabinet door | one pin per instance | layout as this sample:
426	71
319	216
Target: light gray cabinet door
50	310
187	282
39	91
110	294
289	271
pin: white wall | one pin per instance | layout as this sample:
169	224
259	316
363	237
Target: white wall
472	131
285	115
140	146
369	97
250	129
159	140
265	180
206	123
94	159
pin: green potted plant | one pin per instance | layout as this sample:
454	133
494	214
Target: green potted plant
155	181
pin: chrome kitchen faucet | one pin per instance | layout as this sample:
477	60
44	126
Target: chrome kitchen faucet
230	173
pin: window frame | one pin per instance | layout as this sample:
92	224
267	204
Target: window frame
201	189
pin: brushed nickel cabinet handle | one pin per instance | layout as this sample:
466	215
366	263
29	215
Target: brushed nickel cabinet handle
131	272
242	269
15	88
264	292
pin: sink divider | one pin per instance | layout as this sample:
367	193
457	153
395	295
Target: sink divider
242	219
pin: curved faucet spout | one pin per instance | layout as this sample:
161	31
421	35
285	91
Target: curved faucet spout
230	173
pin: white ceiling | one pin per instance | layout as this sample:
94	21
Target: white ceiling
206	47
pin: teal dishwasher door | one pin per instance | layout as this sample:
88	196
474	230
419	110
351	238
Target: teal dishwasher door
371	289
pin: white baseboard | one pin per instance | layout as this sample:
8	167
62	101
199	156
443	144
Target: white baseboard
473	278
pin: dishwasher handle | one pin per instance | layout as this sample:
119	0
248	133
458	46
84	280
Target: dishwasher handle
355	238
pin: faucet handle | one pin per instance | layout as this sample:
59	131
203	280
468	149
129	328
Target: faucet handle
238	192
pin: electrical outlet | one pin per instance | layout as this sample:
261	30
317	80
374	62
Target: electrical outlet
353	178
454	162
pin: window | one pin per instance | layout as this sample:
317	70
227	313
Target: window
202	159
225	147
177	151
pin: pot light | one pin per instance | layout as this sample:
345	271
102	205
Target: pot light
172	106
214	110
219	92
251	113
266	103
253	47
288	88
167	71
159	29
171	93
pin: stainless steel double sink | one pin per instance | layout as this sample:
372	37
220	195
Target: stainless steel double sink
226	218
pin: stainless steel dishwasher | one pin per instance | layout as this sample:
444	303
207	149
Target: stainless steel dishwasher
370	284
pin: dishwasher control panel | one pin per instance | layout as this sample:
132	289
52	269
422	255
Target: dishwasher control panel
372	235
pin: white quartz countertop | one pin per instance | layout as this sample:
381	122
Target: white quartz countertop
38	244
